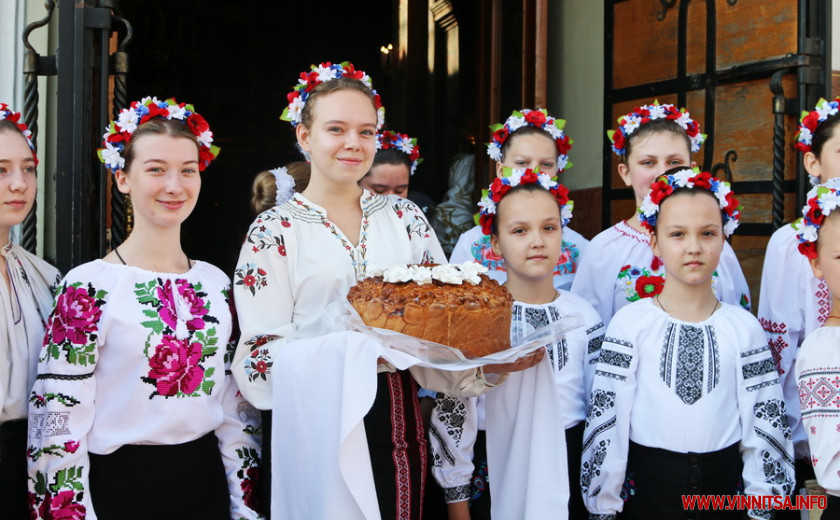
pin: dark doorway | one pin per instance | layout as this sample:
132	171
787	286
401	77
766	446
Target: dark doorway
236	61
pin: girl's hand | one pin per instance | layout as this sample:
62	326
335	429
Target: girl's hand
522	363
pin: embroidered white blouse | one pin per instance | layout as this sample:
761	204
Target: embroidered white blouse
136	357
456	421
620	268
818	374
24	307
295	262
475	245
684	387
793	304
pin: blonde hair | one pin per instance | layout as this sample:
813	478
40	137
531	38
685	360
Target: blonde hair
264	188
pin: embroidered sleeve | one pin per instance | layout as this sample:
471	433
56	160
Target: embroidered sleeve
607	431
452	434
819	397
61	404
594	338
264	303
734	288
424	243
239	437
766	441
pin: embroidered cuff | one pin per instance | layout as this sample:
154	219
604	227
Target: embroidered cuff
593	516
457	493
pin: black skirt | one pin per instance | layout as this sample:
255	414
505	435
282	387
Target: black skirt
832	509
184	481
656	480
397	443
14	498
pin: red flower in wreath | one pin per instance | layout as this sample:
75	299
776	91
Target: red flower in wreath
618	140
702	180
501	134
659	190
535	117
815	213
809	249
649	286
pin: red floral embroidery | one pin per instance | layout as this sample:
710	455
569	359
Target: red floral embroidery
648	286
175	368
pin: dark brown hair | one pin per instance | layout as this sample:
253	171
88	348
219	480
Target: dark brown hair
655	126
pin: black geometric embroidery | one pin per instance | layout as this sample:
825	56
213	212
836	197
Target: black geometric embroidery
774	473
689	376
616	359
560	351
597	431
452	413
593	328
714	360
438	462
759	368
592	468
610	375
666	359
618	342
457	493
594	344
775	444
759	386
755	351
773	411
536	317
600	402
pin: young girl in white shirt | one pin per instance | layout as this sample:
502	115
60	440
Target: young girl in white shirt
818	362
527	139
134	414
792	310
621	268
685	398
25	302
297	259
525	214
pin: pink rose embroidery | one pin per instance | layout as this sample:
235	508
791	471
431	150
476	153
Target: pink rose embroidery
175	368
169	311
61	507
75	317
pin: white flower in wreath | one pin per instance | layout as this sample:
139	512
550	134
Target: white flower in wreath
722	191
805	135
495	152
515	177
153	99
515	123
295	108
829	202
656	111
566	213
205	138
405	146
127	120
730	227
545	181
562	162
833	183
111	157
552	129
683	120
631	124
681	178
648	208
366	80
826	110
325	73
696	141
176	112
809	233
486	205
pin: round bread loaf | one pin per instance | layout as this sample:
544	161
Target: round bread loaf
472	317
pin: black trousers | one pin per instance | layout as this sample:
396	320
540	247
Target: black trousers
658	478
184	481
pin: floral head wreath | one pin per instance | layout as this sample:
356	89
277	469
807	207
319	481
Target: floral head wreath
822	200
690	178
808	124
285	184
6	114
629	123
538	119
511	178
403	143
120	131
318	74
